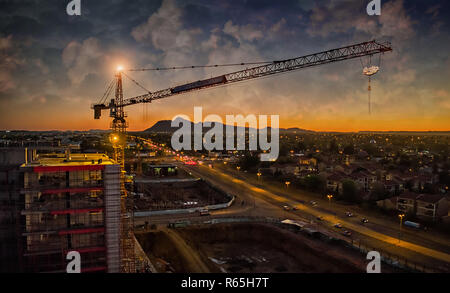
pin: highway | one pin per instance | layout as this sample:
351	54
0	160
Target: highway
260	201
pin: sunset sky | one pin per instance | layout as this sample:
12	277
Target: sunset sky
54	66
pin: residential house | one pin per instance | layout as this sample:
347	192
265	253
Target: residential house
432	206
334	182
388	203
406	202
364	179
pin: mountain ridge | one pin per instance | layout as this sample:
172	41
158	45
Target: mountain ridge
164	126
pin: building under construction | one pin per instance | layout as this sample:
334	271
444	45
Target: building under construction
72	202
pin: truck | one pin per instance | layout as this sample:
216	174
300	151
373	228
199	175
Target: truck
412	224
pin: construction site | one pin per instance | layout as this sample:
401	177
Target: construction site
177	195
246	248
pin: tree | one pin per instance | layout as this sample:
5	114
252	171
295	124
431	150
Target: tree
349	149
301	146
314	183
333	146
349	191
378	192
370	149
248	161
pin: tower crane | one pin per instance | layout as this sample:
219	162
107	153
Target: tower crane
263	69
117	105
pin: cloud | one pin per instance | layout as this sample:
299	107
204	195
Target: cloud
81	59
164	28
243	33
346	16
442	98
9	62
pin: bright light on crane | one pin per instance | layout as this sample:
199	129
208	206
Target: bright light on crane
114	138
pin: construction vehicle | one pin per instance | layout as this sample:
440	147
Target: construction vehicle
119	124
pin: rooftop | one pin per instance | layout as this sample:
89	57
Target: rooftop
51	160
430	198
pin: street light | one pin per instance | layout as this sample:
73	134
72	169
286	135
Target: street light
329	196
259	175
287	184
238	168
401	220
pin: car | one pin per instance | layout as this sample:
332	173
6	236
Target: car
319	218
287	208
294	208
313	203
349	214
346	233
204	212
338	225
364	220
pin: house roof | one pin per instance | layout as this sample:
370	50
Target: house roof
408	195
430	198
337	176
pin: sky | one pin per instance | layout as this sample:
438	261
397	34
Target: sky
53	66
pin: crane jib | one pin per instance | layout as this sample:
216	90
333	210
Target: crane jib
276	67
199	84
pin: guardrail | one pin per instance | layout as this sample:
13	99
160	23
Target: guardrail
395	260
184	211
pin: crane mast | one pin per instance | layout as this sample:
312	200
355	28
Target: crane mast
118	140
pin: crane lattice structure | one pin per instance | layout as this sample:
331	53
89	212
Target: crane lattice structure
264	69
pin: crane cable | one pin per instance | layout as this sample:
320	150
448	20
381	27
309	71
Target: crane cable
137	83
201	66
107	92
369	88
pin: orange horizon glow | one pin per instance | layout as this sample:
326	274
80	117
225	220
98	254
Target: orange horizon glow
338	125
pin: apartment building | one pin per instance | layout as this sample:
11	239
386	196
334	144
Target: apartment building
406	202
431	206
70	202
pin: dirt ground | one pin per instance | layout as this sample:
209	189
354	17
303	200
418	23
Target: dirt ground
177	195
247	248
